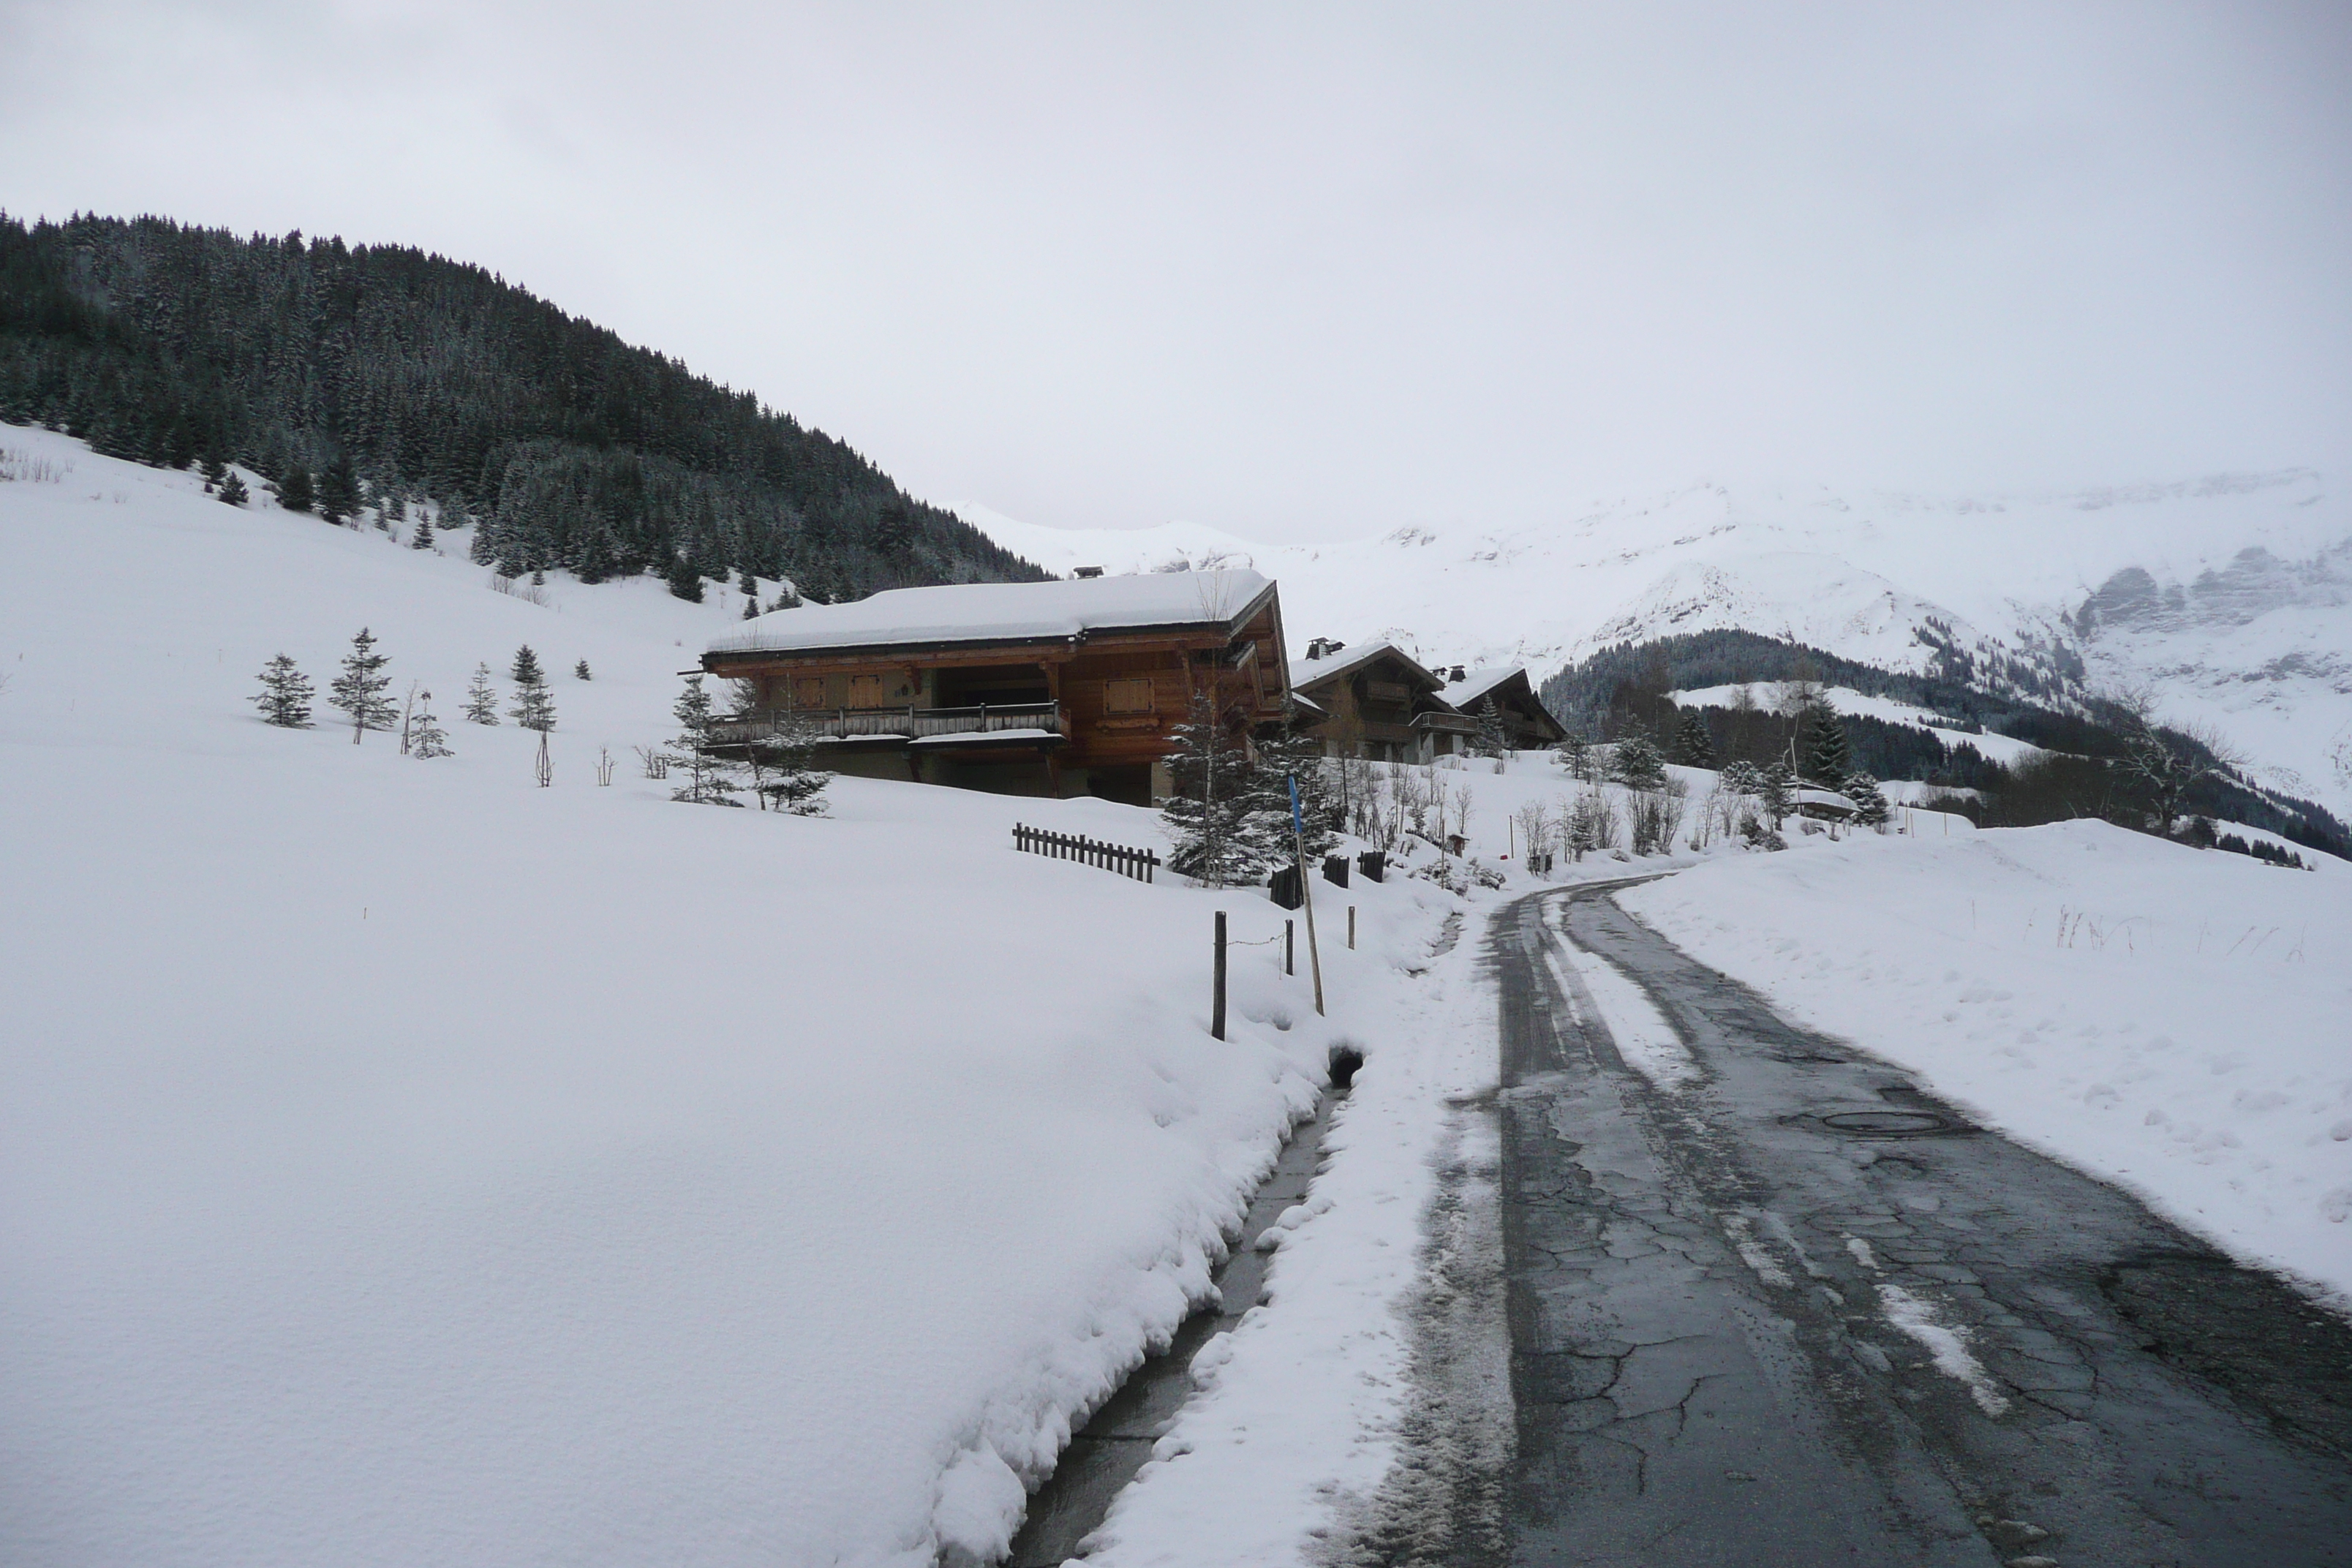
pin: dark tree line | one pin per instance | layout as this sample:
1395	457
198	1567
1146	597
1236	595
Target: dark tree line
422	376
2090	771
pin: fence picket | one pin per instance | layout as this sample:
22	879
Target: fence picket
1139	864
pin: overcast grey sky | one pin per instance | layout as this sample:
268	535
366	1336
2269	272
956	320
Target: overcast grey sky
1313	271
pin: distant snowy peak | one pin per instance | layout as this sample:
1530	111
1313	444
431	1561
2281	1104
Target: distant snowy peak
1818	600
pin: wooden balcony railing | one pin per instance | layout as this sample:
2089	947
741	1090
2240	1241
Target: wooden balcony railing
913	723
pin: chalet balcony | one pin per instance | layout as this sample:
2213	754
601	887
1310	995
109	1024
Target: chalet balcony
905	724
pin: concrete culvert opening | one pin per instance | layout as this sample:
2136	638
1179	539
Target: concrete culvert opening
1345	1060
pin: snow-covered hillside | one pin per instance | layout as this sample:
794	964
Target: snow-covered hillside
1863	576
401	1162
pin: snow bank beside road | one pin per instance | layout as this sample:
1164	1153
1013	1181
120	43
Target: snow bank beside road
2173	1019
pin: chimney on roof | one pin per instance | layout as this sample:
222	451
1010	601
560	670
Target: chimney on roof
1087	572
1322	646
1457	674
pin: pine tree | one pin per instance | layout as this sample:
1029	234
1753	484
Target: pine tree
422	539
1740	777
481	701
294	491
425	736
233	491
750	584
1828	757
1776	794
1575	755
685	581
1280	758
286	694
359	690
1215	811
1694	747
786	772
339	490
1636	763
1864	791
751	609
709	778
534	706
580	670
1493	740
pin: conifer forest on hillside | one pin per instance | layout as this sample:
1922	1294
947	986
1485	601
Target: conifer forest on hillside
413	375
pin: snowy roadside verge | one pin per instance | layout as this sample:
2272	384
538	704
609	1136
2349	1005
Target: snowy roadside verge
2169	1019
1294	1423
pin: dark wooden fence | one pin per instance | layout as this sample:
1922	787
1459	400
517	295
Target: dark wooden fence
1137	863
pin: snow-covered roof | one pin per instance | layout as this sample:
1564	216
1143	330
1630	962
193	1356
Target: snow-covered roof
1313	671
1829	800
1006	612
1471	690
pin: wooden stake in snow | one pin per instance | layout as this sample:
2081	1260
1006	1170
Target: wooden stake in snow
1217	996
546	769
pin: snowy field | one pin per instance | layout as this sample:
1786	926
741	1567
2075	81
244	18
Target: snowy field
405	1163
2177	1021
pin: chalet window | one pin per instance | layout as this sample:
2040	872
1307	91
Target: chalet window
1129	696
808	691
867	691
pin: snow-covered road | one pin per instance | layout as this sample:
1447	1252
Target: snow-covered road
1788	1307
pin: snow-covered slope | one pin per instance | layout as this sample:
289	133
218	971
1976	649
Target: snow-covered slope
401	1162
1870	577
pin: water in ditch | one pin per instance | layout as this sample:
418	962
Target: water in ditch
1111	1447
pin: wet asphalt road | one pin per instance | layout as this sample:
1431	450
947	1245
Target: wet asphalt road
1799	1312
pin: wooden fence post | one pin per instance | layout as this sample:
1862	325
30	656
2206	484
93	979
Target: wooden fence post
1217	997
1352	927
1289	958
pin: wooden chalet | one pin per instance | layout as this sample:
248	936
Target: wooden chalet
1056	689
1529	726
1380	702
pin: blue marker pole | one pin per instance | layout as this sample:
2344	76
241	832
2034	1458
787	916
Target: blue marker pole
1306	891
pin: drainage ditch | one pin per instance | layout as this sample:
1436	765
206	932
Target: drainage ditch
1115	1442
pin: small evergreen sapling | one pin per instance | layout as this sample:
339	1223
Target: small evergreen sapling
580	670
1828	757
1636	763
709	778
534	706
1775	794
481	701
1694	747
1215	812
425	736
422	537
232	489
339	491
286	694
1864	791
685	581
359	690
1494	741
294	491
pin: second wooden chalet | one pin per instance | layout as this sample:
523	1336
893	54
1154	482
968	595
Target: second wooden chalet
1053	688
1526	723
1376	700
